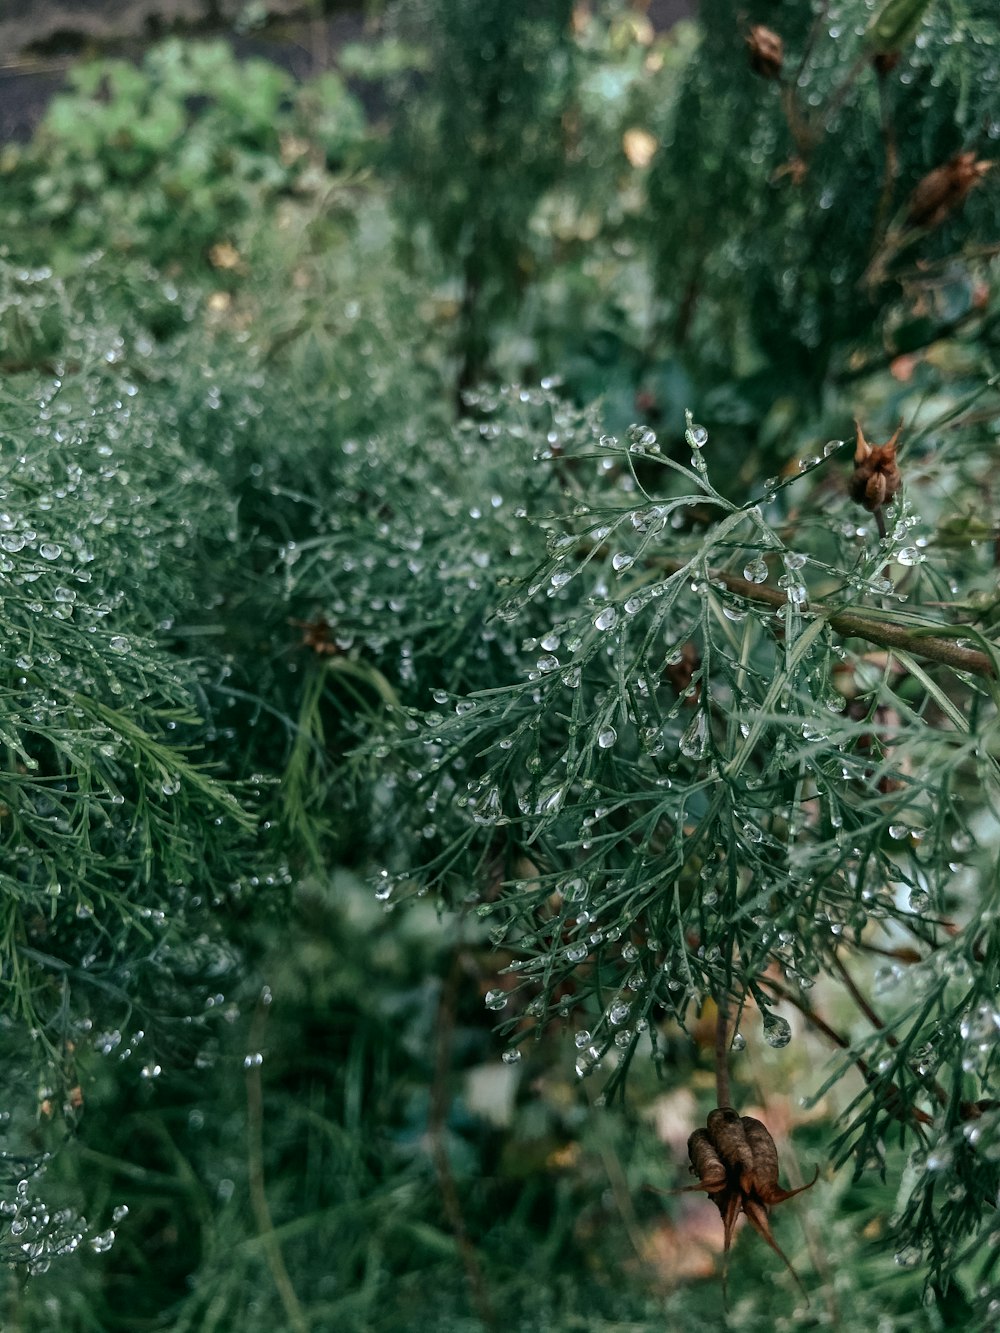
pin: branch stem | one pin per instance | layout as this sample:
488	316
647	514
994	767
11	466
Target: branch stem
855	624
723	1096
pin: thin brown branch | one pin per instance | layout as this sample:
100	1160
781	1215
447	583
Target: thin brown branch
723	1096
860	1000
855	624
890	169
840	93
866	1008
893	1100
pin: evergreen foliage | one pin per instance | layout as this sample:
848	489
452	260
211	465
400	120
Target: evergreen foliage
415	819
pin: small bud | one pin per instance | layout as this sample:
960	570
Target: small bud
896	24
876	477
944	189
767	51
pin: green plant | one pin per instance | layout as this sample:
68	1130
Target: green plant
683	771
736	755
175	157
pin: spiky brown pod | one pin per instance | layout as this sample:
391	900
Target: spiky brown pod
736	1163
944	189
767	51
876	476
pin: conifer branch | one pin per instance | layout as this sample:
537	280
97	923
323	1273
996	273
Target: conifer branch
858	625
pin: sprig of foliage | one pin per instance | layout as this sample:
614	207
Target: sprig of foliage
688	794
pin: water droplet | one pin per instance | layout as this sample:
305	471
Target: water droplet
606	619
738	1042
619	1012
899	831
756	570
831	447
886	979
496	999
103	1242
607	738
50	550
488	809
696	436
547	662
909	555
777	1032
920	900
383	888
118	644
695	740
908	1256
621	561
511	1056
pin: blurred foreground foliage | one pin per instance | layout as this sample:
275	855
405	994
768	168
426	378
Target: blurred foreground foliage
369	674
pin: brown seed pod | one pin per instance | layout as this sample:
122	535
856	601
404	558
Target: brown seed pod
876	476
736	1163
944	189
727	1133
706	1163
767	51
765	1164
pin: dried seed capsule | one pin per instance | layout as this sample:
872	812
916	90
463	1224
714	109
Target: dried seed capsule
706	1163
944	189
727	1134
765	1164
876	476
736	1163
767	51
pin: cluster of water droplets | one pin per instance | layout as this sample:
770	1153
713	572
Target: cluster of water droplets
33	1234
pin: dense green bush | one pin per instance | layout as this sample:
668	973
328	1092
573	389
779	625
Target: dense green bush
171	159
411	815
